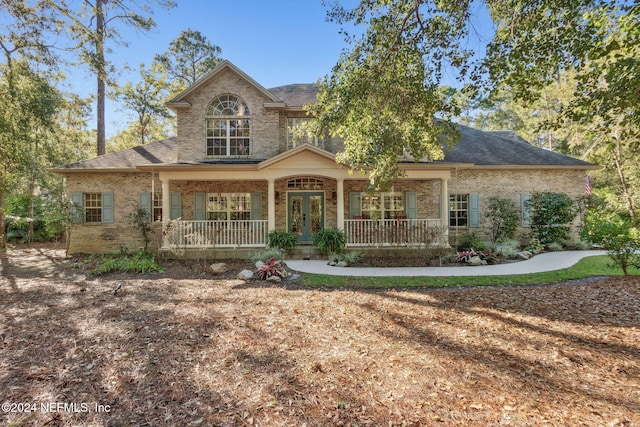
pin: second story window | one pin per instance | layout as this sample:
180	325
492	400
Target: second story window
228	127
300	131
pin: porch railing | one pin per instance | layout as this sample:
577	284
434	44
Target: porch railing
216	234
394	232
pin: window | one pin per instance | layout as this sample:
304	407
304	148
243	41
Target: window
92	203
458	210
382	205
92	207
227	135
228	206
300	131
157	207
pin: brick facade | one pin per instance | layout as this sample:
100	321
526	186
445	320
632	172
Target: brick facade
268	124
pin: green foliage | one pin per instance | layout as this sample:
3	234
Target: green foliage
471	242
284	240
140	219
140	262
507	249
555	246
190	56
329	240
535	247
266	255
352	257
502	219
384	95
550	214
616	234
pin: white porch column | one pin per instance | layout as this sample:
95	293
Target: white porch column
271	205
340	203
444	208
166	203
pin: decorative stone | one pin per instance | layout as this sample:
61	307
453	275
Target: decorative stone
475	260
524	255
341	264
332	263
245	275
259	264
218	268
274	279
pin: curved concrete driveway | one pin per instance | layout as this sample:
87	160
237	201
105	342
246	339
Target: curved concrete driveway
547	261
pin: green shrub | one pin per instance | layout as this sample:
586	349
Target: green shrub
266	255
535	247
329	240
140	220
616	234
507	249
550	214
353	257
472	241
140	262
502	219
555	247
284	240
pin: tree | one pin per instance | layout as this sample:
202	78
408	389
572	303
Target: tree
550	214
395	66
384	96
29	105
146	100
189	57
92	34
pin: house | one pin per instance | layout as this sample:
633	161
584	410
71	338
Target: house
243	165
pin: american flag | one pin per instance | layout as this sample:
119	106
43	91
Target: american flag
587	186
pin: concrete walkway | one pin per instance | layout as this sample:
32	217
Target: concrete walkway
547	261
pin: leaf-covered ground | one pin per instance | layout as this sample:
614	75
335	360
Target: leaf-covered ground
176	350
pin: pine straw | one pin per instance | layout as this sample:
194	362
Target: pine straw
181	351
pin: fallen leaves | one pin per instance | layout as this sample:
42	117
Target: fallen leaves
191	351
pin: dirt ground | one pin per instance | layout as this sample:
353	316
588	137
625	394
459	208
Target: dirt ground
183	349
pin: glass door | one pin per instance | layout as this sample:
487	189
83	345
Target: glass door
305	214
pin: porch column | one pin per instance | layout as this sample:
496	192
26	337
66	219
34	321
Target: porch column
166	203
340	203
444	208
271	205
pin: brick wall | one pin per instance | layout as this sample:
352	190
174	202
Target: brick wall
105	238
192	122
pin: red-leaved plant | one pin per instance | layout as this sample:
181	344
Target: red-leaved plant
270	268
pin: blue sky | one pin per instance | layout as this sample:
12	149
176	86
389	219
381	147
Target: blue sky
276	42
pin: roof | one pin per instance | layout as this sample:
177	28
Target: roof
158	152
503	148
296	95
480	148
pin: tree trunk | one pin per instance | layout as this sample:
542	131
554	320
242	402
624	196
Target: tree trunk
3	236
32	216
101	73
623	183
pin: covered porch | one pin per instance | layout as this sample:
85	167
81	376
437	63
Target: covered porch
302	191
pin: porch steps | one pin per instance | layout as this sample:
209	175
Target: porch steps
306	252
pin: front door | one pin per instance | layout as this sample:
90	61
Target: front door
306	214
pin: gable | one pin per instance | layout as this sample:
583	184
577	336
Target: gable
184	98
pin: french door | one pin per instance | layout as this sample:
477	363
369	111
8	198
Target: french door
305	214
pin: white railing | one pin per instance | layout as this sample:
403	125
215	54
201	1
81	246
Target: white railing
216	234
394	232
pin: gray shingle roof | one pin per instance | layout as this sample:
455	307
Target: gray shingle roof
296	95
503	148
158	152
475	146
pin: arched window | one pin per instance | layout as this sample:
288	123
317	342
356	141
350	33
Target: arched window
228	127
